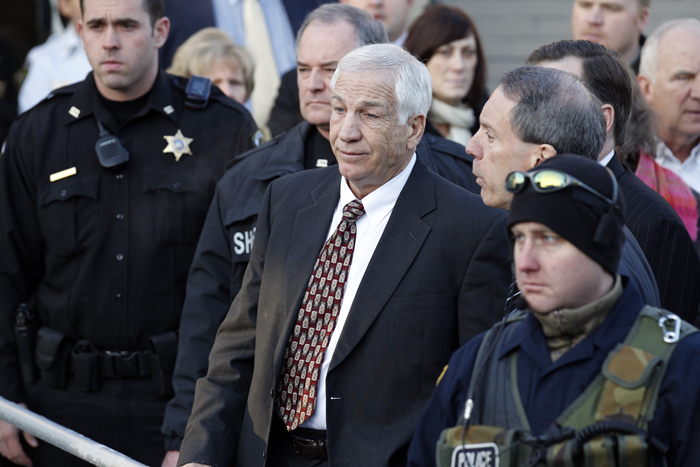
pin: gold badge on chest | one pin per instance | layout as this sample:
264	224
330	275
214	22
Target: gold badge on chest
178	144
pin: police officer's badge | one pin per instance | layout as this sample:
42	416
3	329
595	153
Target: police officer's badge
178	145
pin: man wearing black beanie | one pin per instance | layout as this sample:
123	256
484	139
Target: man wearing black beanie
586	374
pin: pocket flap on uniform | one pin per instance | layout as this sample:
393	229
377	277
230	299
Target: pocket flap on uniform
629	367
238	214
67	188
175	180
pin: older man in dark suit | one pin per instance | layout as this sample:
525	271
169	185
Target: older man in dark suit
307	373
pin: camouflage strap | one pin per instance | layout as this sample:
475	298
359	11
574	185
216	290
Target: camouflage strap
626	391
624	394
627	388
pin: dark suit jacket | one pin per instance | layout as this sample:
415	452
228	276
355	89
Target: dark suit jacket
665	242
438	276
188	17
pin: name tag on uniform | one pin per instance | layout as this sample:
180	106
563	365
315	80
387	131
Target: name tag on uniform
63	174
475	455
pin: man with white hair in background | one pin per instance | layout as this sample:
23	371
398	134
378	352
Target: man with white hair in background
669	77
616	24
337	368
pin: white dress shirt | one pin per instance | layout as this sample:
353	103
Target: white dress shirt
606	160
378	208
59	61
688	170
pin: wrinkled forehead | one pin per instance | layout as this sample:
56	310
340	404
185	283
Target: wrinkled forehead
367	88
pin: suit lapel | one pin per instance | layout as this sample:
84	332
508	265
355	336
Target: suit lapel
307	238
401	241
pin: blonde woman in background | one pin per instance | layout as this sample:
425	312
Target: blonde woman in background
211	53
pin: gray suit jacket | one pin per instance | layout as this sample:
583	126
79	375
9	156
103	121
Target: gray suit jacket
438	277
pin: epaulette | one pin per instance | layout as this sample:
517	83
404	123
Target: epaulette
63	90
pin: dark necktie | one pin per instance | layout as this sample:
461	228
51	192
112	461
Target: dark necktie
296	394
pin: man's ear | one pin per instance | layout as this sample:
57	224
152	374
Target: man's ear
645	87
416	127
643	19
609	113
541	153
161	30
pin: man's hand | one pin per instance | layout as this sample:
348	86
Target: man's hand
10	446
170	459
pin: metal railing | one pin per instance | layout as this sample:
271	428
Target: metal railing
62	437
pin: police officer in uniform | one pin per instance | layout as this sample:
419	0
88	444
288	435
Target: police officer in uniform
587	375
328	33
104	187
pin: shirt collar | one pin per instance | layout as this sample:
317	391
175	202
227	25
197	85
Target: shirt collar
665	155
401	39
606	160
381	201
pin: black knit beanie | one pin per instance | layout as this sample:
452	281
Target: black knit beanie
579	216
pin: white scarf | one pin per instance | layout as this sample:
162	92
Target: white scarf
460	119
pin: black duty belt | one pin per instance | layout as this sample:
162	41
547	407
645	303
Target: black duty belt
309	443
122	365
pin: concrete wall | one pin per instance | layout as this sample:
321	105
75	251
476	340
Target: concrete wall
511	29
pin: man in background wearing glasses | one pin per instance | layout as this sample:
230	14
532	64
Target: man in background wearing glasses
585	361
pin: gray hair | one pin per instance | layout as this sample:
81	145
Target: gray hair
553	107
648	64
412	85
367	29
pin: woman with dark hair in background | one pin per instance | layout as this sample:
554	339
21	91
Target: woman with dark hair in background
446	40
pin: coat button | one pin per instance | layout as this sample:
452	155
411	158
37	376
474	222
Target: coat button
64	193
176	185
120	256
120	216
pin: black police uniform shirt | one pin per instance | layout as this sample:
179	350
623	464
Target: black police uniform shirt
227	240
103	255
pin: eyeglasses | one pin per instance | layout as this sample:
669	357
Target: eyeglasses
551	180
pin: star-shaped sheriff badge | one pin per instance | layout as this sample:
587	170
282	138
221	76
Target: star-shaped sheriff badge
178	145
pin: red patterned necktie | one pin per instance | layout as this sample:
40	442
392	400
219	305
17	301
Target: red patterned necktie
296	395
